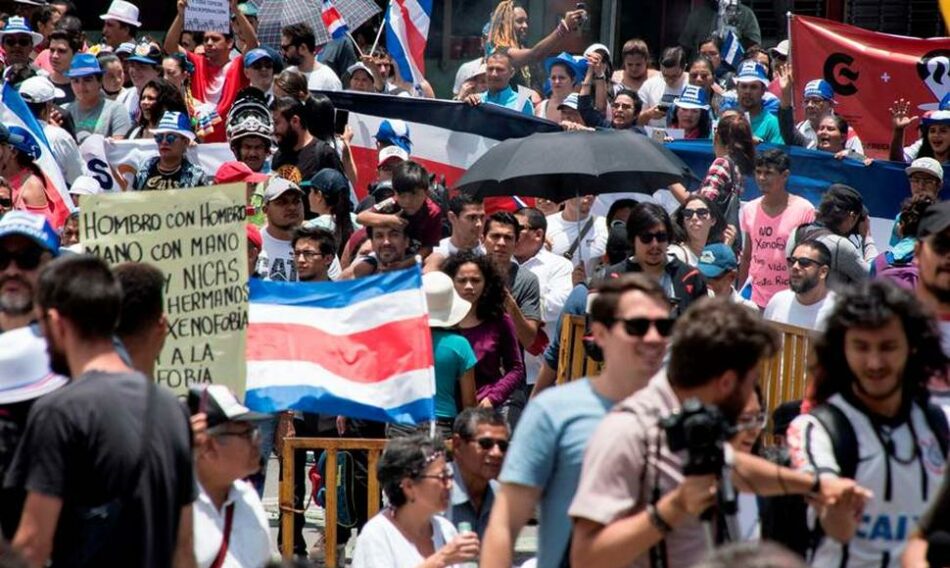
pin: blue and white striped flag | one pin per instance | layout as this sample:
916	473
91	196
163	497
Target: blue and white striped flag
732	51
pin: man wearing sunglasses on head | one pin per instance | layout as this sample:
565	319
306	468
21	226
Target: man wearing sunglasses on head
479	443
631	321
807	301
230	522
171	169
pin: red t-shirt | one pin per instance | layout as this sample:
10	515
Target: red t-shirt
218	86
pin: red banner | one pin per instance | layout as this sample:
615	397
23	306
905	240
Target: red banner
868	72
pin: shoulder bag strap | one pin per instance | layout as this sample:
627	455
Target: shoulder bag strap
577	242
136	478
226	540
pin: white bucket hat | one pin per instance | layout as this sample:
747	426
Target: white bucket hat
446	307
125	12
24	367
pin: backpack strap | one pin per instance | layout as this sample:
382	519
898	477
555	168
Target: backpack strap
937	420
844	441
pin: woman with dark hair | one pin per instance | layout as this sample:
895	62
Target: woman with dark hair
691	113
702	74
564	74
842	225
934	141
329	196
417	481
872	366
158	96
178	70
696	224
490	331
290	83
832	136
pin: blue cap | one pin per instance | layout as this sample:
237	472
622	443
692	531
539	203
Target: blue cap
751	71
566	59
8	137
821	89
328	181
32	226
21	139
395	132
729	101
146	53
84	64
175	122
692	97
717	259
19	25
486	29
255	55
248	9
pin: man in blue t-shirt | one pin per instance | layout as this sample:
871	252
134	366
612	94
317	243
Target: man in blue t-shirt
630	321
499	72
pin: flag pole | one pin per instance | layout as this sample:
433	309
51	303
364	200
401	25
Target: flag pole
380	31
356	45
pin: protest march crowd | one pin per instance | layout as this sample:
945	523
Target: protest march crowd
670	456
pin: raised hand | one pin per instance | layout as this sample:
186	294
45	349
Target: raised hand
900	115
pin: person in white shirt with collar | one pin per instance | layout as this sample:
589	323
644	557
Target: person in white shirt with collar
554	277
231	528
576	218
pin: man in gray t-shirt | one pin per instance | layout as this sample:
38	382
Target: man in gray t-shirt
91	112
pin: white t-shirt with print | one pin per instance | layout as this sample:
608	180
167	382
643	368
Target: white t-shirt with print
784	307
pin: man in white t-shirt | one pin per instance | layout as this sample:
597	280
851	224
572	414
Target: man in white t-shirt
658	92
808	301
467	217
229	519
576	219
299	48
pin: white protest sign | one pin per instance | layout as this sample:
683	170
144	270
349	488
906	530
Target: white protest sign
208	16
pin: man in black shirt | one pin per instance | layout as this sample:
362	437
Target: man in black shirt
299	154
106	461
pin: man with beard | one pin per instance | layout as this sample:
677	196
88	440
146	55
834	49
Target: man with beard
633	494
390	252
872	422
933	262
93	456
479	442
299	154
27	243
808	301
298	45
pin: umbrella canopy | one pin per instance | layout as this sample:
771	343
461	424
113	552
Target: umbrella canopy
562	165
275	14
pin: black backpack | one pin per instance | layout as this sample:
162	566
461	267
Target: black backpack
784	518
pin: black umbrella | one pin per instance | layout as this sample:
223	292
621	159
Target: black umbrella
562	165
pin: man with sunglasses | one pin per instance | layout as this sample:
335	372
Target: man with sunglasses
807	302
18	41
230	521
171	169
298	45
634	505
932	253
259	70
630	323
479	442
767	223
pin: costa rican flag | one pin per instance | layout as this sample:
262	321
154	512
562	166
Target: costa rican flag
333	20
732	50
407	30
357	348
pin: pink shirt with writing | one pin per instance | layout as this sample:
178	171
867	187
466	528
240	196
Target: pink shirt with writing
768	236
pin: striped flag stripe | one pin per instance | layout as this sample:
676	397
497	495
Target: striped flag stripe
335	294
276	385
371	356
342	321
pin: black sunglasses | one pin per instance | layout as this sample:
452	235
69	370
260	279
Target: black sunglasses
802	261
489	443
638	327
27	259
22	42
940	243
647	238
6	202
702	213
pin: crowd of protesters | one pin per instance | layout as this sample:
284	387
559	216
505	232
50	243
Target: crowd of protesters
100	467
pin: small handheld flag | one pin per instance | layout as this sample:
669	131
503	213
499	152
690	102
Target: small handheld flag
333	20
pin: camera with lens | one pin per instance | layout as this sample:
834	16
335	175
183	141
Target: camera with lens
702	431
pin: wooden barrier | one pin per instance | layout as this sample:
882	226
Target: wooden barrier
286	495
782	377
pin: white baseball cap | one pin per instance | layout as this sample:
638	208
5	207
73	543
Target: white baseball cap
928	166
125	12
85	185
39	89
391	153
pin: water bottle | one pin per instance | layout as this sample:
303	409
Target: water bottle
465	527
